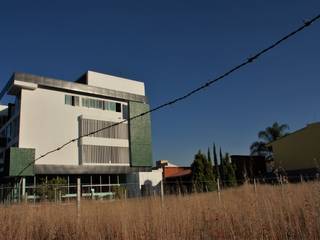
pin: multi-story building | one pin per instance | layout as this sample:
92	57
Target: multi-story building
47	112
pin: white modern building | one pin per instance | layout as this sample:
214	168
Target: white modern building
47	113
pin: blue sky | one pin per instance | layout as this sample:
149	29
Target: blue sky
174	46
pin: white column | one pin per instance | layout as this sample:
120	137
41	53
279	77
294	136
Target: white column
78	191
23	187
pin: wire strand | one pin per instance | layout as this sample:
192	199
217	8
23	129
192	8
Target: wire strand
192	92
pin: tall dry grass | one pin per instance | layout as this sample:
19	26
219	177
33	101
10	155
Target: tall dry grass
272	212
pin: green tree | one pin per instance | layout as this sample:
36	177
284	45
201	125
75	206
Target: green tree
229	173
221	168
215	161
202	173
209	156
51	189
268	135
221	157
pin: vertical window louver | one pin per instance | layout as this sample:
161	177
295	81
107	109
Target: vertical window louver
90	125
104	154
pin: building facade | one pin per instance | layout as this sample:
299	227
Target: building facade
298	152
47	112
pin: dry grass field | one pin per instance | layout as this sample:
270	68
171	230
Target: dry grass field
270	212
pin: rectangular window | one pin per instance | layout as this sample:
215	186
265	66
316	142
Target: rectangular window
125	112
75	101
85	102
68	99
112	106
95	103
91	103
71	100
105	105
118	107
100	104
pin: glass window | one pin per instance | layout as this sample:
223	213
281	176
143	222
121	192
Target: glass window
71	100
105	105
118	107
68	99
75	101
84	102
112	106
92	103
100	104
125	111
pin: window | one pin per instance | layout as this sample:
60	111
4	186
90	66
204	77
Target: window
118	107
100	104
106	105
125	111
75	101
95	103
85	102
112	106
71	100
68	99
91	103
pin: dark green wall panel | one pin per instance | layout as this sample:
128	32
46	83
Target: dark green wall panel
140	135
21	161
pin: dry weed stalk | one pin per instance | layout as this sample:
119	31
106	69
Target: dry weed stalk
270	212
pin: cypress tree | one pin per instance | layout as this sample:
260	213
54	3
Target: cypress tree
221	168
221	157
215	161
210	183
198	172
209	156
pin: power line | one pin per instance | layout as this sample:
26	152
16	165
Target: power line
203	86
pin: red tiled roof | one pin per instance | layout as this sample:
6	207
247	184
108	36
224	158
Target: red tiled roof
176	171
181	174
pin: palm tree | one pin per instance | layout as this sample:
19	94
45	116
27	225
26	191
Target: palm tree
259	148
270	134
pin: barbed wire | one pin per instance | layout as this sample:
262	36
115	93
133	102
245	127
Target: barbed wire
189	94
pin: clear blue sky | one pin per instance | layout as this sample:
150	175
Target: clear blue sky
174	46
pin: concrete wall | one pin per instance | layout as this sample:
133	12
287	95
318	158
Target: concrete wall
47	122
154	177
299	150
115	83
150	179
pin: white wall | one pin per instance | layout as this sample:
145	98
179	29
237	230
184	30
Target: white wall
46	122
3	109
154	177
115	83
136	180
